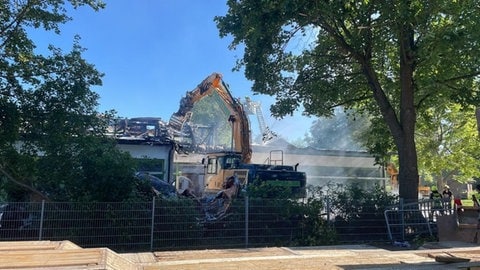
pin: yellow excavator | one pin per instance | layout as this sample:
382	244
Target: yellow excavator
223	165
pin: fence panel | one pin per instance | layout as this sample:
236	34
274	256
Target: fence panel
407	221
119	226
180	224
19	221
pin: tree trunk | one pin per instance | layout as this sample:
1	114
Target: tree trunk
405	141
408	178
402	129
405	136
401	124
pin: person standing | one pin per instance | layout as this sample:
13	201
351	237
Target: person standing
447	194
476	204
436	200
447	197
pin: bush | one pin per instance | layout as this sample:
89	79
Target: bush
359	213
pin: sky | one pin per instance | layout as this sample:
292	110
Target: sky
153	51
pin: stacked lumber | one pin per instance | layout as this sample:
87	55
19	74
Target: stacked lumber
59	255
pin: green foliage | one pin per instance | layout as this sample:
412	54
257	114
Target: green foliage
283	222
392	61
50	139
316	228
359	213
292	222
9	122
261	189
351	202
328	216
377	138
176	223
448	144
95	171
119	226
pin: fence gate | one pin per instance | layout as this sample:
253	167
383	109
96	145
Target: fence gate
404	224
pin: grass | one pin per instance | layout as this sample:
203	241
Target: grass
467	202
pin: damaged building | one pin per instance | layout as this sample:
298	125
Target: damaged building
148	138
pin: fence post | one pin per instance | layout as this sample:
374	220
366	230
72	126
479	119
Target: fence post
246	221
40	232
402	218
153	224
327	198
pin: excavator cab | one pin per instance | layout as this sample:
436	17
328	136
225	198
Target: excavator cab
230	162
219	167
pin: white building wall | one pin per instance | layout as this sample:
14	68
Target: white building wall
146	151
162	152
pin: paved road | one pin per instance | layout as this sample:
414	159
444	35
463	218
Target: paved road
305	258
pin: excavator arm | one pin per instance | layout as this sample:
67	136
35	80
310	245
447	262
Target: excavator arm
214	85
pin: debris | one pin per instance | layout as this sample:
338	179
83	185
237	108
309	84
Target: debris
447	258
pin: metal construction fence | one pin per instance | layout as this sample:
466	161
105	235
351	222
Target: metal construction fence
413	220
180	224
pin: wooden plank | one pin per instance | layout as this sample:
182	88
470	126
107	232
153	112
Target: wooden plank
142	257
115	261
92	258
28	245
51	258
68	245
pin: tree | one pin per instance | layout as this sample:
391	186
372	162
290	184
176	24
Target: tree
51	142
448	144
392	59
